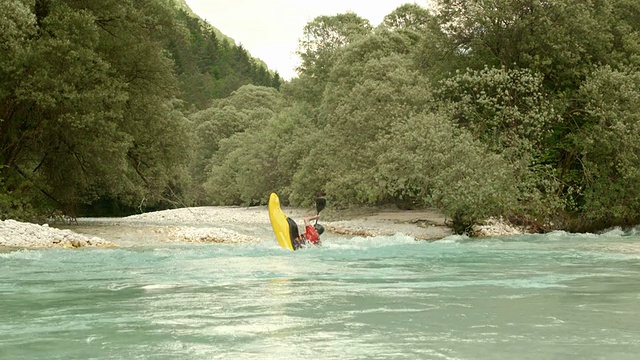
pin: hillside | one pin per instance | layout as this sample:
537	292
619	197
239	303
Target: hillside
182	5
209	64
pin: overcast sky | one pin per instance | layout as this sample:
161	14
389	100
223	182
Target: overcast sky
270	29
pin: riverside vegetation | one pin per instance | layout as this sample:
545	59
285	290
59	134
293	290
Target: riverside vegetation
526	110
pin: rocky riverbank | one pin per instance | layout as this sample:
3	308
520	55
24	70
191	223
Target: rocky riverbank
223	224
15	234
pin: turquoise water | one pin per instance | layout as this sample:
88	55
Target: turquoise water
556	296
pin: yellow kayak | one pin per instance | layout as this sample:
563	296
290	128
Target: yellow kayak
283	227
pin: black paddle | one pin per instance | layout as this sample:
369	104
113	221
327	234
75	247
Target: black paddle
321	203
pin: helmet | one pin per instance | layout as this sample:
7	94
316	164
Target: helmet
319	228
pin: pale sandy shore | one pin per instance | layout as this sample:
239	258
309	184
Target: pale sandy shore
15	234
229	224
420	224
221	224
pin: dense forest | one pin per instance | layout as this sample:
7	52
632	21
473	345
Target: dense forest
95	98
522	109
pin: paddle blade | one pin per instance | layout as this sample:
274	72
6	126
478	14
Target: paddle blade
320	204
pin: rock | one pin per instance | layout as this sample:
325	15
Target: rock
226	224
17	234
209	234
495	227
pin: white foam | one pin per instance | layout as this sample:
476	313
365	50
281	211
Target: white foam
452	239
360	242
153	287
22	254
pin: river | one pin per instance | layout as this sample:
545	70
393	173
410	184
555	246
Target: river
553	296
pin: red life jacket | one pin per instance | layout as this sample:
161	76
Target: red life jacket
311	234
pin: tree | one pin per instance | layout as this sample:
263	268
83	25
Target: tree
89	105
560	43
428	160
608	147
321	41
217	129
409	18
560	39
372	85
252	164
507	109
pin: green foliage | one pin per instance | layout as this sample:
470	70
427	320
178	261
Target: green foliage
248	108
625	29
410	20
431	161
88	108
209	65
609	148
252	164
372	86
324	36
507	109
409	17
253	98
320	45
17	24
561	39
481	108
521	109
13	203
